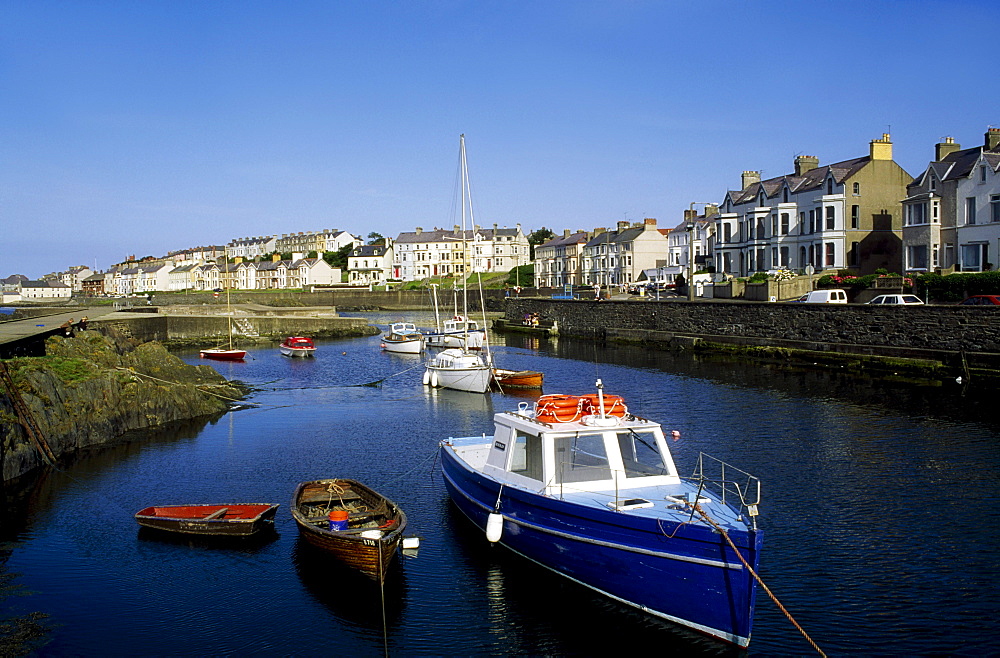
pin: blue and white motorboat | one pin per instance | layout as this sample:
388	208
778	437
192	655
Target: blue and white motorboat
580	486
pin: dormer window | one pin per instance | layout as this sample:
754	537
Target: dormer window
784	196
982	173
829	186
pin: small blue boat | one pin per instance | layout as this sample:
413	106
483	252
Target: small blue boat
582	487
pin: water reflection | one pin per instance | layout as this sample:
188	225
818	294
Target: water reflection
350	595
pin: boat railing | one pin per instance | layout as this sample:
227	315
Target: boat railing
734	486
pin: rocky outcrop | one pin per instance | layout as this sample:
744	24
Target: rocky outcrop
90	390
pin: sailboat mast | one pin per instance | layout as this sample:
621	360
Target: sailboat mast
466	194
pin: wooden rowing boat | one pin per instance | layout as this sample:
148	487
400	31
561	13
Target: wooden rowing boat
517	378
233	520
374	526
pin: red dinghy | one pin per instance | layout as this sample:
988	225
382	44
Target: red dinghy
239	519
220	354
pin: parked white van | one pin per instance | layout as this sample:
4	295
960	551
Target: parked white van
831	296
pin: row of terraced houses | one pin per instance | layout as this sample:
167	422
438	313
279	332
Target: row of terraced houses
860	215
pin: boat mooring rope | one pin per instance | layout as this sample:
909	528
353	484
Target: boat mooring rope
200	387
711	521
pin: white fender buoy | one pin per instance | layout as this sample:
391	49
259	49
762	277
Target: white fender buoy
434	379
494	527
427	377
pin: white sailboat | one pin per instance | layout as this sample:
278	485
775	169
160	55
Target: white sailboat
462	368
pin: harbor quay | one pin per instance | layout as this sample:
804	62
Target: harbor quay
930	341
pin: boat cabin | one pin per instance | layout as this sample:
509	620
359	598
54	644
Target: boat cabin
459	324
592	453
300	342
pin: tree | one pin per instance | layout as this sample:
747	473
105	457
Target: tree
539	236
339	258
376	238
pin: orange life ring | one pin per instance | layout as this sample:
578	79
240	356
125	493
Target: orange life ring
614	405
559	408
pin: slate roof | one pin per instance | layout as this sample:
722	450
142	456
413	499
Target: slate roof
957	164
580	237
446	235
812	179
369	250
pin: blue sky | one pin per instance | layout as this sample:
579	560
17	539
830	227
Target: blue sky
142	127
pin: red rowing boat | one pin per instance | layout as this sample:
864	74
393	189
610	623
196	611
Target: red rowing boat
239	519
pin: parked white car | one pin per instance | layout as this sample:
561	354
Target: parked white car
831	296
896	299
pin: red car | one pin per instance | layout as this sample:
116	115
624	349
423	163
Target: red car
981	300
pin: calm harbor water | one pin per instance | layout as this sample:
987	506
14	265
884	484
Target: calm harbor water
879	508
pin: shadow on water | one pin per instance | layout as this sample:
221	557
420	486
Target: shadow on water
249	545
942	399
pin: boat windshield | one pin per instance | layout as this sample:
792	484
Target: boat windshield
584	457
581	458
640	456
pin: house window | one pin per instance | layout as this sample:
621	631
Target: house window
936	211
855	215
854	257
784	255
727	232
982	173
995	208
916	257
829	218
774	224
857	189
916	214
802	223
973	257
812	220
829	261
970	210
936	248
784	223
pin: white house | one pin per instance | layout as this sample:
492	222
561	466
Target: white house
370	264
421	254
977	211
44	290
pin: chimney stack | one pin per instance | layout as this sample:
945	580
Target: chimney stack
749	178
690	214
992	138
566	233
649	223
622	225
805	163
943	149
419	230
881	149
